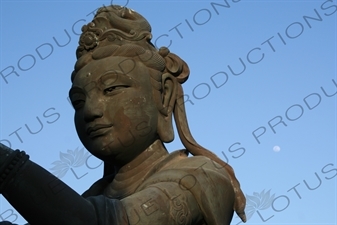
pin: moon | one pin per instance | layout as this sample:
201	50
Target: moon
276	148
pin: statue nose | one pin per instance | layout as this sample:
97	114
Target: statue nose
93	109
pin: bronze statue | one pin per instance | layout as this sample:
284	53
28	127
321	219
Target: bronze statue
125	93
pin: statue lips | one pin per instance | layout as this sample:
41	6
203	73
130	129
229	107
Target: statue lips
98	130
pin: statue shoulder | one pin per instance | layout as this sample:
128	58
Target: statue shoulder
179	167
207	181
180	160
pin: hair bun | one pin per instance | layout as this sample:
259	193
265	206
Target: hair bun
164	51
175	65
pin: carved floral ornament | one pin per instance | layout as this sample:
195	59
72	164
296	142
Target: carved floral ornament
89	37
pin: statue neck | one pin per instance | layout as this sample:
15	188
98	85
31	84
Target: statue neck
131	175
155	151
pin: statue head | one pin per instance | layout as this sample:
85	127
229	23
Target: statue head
121	81
126	92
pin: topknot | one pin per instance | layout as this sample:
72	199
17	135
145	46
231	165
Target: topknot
115	25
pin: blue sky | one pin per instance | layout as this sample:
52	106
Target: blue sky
261	93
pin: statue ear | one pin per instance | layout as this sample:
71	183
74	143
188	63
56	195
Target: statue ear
168	99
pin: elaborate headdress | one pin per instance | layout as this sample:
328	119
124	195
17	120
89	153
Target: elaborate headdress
117	30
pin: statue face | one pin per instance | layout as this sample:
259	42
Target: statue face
115	113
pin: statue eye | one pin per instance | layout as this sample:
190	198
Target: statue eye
114	88
77	99
77	104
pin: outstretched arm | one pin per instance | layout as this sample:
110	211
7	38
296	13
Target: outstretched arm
39	196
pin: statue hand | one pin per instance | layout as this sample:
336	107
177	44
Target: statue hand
4	152
4	147
10	163
6	223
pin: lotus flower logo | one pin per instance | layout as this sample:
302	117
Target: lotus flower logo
69	160
258	201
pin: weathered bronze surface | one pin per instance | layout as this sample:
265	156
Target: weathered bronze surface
125	93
